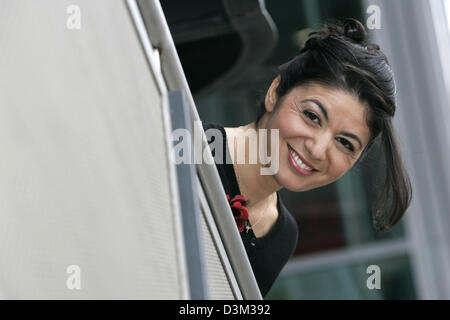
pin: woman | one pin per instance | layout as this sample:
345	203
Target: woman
329	104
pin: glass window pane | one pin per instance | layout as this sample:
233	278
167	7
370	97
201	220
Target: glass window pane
349	282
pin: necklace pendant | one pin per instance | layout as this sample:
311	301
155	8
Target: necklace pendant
248	227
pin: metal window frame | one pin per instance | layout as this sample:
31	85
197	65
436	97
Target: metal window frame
172	71
190	206
209	218
155	69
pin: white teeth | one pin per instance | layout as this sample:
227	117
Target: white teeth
299	162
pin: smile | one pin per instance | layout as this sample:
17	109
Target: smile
298	164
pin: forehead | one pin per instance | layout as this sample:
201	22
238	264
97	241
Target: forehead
345	111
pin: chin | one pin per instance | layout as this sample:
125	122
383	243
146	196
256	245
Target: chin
297	186
291	184
303	189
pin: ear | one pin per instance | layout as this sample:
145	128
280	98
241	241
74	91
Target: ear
271	95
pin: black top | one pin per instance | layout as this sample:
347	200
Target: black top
267	254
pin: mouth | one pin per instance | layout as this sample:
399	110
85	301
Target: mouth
299	163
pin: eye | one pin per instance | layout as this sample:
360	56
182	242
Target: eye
312	116
346	144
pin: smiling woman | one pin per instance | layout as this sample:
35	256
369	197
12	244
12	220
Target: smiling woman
342	90
328	105
324	129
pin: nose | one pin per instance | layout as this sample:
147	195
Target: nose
317	146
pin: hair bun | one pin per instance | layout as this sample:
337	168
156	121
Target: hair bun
354	30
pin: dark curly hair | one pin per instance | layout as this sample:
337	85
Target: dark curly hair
339	57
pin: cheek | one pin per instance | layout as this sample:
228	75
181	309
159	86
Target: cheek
284	132
339	166
290	128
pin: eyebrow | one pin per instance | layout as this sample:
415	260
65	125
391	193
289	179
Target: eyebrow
325	113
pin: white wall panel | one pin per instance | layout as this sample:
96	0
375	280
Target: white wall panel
84	170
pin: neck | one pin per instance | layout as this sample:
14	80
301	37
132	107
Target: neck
258	189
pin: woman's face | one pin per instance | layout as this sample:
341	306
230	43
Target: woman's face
327	129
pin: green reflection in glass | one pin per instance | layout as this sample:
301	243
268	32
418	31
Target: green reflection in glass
348	282
356	192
